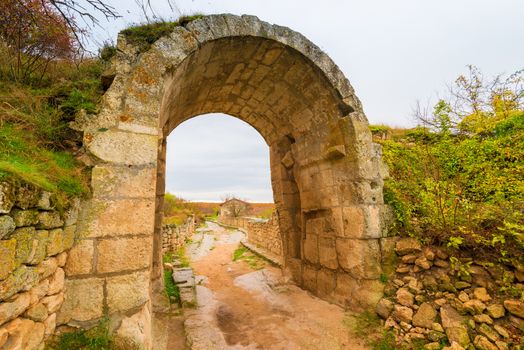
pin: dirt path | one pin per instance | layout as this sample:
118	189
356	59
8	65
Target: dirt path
240	308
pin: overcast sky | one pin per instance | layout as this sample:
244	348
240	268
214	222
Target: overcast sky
393	53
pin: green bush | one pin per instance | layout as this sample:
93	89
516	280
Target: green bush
464	191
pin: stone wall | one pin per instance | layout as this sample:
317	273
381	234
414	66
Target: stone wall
468	302
174	236
34	240
265	234
238	222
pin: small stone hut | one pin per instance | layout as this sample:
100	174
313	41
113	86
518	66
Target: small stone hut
234	207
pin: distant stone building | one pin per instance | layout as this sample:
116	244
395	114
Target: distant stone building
233	208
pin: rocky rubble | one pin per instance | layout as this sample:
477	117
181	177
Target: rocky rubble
34	238
433	299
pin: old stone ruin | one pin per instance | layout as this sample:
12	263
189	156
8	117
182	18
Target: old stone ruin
60	269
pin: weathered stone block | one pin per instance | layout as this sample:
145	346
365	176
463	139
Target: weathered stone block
122	182
7	197
84	302
127	292
12	309
55	242
50	325
123	147
53	302
327	252
37	312
309	278
69	237
49	220
27	197
80	259
25	217
7	225
359	257
47	267
25	244
123	254
56	282
326	283
7	257
23	278
365	295
40	251
311	248
46	201
107	218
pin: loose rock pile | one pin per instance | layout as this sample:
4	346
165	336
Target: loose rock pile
434	299
34	238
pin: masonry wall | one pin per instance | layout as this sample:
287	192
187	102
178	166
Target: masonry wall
262	233
174	236
34	240
265	234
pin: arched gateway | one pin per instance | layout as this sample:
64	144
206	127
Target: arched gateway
326	172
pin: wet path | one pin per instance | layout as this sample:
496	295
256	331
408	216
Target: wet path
240	308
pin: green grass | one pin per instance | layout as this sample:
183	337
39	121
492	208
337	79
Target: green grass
143	36
96	338
171	289
253	260
368	326
35	140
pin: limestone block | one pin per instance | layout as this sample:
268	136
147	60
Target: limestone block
7	197
23	278
53	302
107	218
311	248
68	237
61	259
309	278
361	258
353	219
47	267
55	242
365	295
7	225
27	197
128	291
25	217
71	214
326	283
327	252
40	252
515	307
50	325
136	330
45	202
123	147
12	309
25	244
80	258
112	181
123	254
49	220
7	257
24	334
56	282
37	312
84	300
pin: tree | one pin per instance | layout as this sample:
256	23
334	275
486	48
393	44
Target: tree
33	34
475	103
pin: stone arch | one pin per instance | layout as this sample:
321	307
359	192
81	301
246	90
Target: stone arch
326	172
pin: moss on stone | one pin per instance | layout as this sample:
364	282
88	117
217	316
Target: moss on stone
142	36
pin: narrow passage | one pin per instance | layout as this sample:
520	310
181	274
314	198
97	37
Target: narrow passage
246	304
